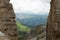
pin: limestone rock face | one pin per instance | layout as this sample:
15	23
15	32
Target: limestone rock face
7	20
53	25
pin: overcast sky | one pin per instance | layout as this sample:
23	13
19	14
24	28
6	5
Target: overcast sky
35	6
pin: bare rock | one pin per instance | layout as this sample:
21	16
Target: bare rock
7	20
3	36
39	33
53	25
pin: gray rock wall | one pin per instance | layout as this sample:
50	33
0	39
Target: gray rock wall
7	20
53	25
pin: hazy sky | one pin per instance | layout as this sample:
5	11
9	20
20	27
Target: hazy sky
35	6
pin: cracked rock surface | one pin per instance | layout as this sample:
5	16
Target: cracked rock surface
7	20
53	25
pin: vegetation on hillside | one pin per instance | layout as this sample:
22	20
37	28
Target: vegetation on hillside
25	32
22	27
22	30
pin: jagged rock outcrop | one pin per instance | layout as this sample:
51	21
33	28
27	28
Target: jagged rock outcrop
7	20
39	33
53	25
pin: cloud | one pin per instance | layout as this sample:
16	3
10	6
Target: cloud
31	5
46	1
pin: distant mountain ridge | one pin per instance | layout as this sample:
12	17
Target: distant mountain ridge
31	20
31	26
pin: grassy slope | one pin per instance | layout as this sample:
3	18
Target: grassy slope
22	27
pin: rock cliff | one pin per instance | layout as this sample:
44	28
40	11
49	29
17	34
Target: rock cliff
7	20
39	33
53	25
